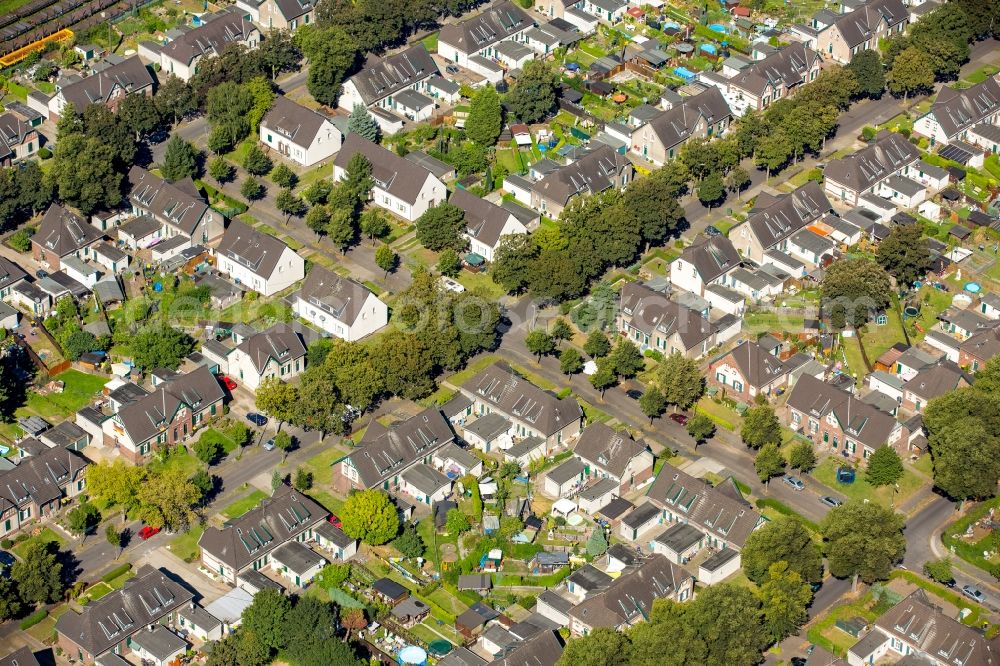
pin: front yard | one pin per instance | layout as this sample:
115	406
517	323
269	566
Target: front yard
980	540
826	473
241	506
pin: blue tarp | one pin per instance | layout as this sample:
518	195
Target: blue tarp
709	48
684	73
718	27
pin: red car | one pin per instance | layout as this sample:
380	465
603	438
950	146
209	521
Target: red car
679	419
148	531
334	520
227	382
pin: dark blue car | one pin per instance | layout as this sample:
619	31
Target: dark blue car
257	419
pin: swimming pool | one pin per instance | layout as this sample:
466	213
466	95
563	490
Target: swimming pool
684	73
718	27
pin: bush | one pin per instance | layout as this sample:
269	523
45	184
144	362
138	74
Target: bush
116	572
868	132
6	544
653	354
20	240
45	154
34	619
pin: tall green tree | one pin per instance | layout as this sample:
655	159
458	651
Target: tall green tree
711	190
539	343
277	399
84	173
360	122
627	359
485	118
884	467
370	516
802	457
220	170
386	259
701	428
265	618
180	160
869	73
288	203
904	254
570	361
963	429
863	541
601	647
852	289
784	539
83	518
769	462
596	344
175	98
604	377
680	380
251	189
332	54
38	573
911	73
441	227
279	52
256	162
653	403
786	598
533	96
760	427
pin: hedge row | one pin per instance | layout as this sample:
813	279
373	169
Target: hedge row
34	619
116	572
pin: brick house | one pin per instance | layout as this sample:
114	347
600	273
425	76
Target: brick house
835	420
931	383
609	454
62	233
35	488
746	371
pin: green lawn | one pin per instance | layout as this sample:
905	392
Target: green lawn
45	536
826	473
185	546
321	465
971	552
8	6
241	506
827	635
878	339
99	590
764	322
481	283
855	362
982	74
476	366
80	389
723	416
431	42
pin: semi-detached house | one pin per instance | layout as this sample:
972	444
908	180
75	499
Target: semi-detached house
598	170
106	626
955	112
399	186
609	454
18	139
747	371
705	115
299	134
704	263
836	420
840	37
775	219
177	207
246	543
385	453
62	233
532	411
485	223
107	87
776	76
36	487
169	415
257	260
280	14
277	353
473	43
867	170
400	83
220	30
339	306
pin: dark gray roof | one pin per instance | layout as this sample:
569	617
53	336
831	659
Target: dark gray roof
859	420
544	649
716	560
280	343
713	257
808	240
867	167
64	434
144	600
525	446
957	110
861	24
519	399
615	508
339	297
297	557
567	471
461	656
718	511
334	534
388	75
252	249
384	452
631	596
64	232
456	405
21	657
937	380
39	478
484	220
441	170
490	26
130	75
987	131
10	273
463	457
475	582
259	581
556	601
608	449
294	121
651	310
140	227
489	426
676	125
410	608
389	588
758	367
392	173
13	130
904	185
785	67
599	489
226	27
641	515
144	418
199	617
593	173
425	478
277	519
160	642
292	9
788	213
590	578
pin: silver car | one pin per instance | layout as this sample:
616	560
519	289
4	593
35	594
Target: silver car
832	502
794	481
973	593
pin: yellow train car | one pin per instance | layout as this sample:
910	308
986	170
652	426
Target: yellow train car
17	56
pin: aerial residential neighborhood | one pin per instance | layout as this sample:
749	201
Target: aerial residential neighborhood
504	333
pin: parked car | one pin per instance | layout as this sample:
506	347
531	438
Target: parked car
227	382
451	69
794	481
799	661
679	419
830	501
635	394
148	531
973	593
257	419
40	274
452	285
334	520
712	230
269	445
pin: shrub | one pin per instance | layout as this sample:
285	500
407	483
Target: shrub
44	153
6	544
116	572
34	619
